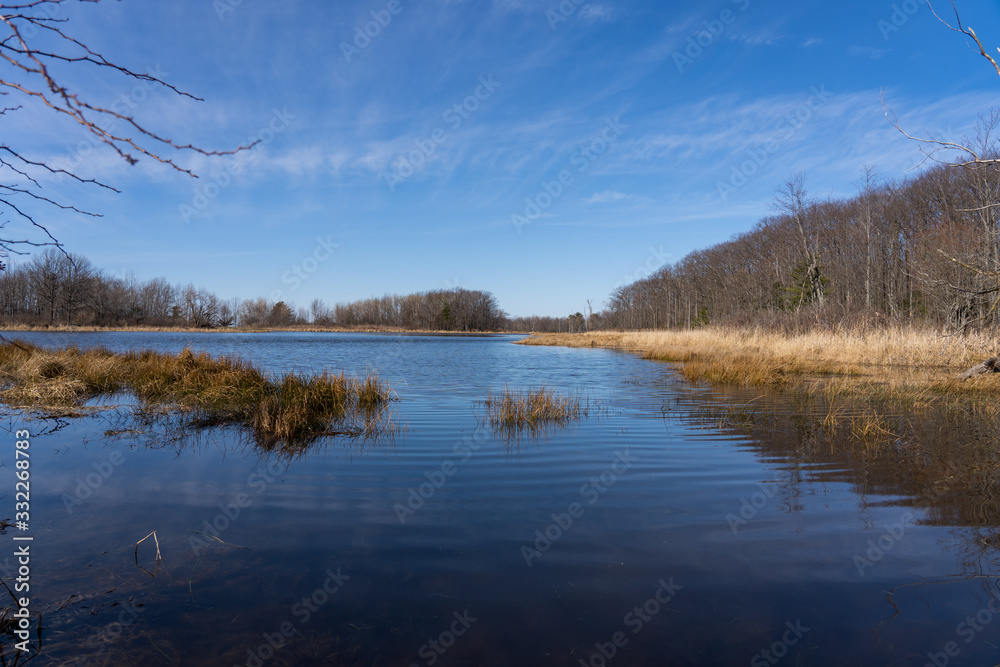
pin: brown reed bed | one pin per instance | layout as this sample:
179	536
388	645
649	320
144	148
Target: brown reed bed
863	376
893	358
213	391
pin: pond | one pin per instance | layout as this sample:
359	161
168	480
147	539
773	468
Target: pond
647	533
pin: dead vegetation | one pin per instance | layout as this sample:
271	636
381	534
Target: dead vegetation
754	357
213	391
511	412
864	377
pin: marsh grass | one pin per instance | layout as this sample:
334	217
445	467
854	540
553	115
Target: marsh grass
878	370
512	412
213	391
759	357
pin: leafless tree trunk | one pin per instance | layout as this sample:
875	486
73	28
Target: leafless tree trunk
78	278
868	186
791	200
45	275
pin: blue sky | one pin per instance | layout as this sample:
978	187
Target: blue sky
544	151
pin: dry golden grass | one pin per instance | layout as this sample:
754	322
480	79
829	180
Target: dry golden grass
757	357
216	390
512	411
862	377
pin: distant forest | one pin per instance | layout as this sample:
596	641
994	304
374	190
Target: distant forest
921	250
925	249
56	288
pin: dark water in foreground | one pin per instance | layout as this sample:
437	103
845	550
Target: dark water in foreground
643	535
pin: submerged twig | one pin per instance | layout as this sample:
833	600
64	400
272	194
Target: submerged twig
228	544
158	558
155	540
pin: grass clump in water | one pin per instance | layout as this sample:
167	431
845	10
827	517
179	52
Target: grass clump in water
225	390
510	412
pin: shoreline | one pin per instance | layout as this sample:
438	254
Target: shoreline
874	390
893	362
252	330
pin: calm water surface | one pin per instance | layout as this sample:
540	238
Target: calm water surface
643	535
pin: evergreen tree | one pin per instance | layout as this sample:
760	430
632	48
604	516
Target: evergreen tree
808	285
446	316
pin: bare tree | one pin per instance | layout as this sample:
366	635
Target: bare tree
320	313
791	200
201	307
156	298
16	298
107	299
868	186
37	48
78	283
45	277
980	158
228	311
254	312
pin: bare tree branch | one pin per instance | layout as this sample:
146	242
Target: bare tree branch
969	267
939	145
26	71
969	32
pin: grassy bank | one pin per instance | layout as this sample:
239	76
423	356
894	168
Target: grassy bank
878	391
899	360
227	390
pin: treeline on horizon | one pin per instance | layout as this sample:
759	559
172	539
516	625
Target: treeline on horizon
55	288
924	250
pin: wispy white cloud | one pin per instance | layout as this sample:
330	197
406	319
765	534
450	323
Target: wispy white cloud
755	38
515	5
869	52
300	161
672	37
606	197
595	13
